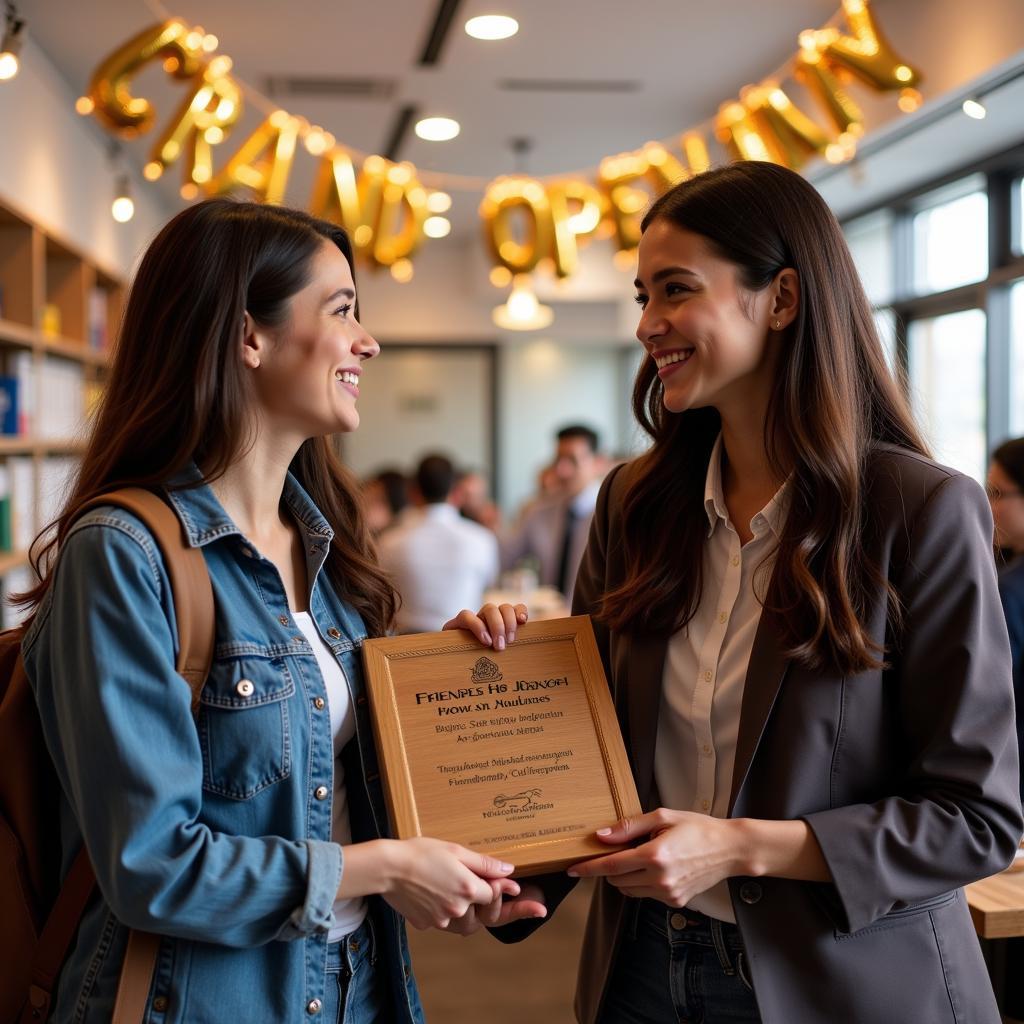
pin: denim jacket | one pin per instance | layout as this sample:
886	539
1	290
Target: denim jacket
209	830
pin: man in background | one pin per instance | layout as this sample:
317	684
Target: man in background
552	531
440	562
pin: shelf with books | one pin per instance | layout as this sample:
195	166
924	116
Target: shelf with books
59	314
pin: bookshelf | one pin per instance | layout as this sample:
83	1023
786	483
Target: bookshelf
59	313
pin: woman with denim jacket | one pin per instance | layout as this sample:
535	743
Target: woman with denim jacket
250	838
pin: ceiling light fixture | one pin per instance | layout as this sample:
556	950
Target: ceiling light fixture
122	209
522	311
437	227
973	108
437	129
492	26
10	48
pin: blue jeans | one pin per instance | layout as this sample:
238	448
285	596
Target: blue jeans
355	992
680	967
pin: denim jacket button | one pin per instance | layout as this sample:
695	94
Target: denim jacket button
284	620
678	921
314	1006
160	1004
245	688
319	703
334	633
320	792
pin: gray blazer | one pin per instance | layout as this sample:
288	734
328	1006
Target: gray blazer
908	776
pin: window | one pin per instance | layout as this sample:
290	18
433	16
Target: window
947	382
870	242
950	238
1017	359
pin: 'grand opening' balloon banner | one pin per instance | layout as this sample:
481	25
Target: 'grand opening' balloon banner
528	222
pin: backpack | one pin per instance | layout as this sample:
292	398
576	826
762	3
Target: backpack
40	916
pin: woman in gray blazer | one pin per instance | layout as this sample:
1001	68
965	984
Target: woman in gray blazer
798	615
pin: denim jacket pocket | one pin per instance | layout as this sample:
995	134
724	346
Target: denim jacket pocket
243	725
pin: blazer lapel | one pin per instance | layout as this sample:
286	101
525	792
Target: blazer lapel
765	672
646	664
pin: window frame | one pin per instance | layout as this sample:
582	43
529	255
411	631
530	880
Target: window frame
1002	174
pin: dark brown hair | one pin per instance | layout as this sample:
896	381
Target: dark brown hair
178	393
834	397
1010	456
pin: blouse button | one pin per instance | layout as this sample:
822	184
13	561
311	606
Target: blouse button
313	1007
245	688
334	633
318	703
320	792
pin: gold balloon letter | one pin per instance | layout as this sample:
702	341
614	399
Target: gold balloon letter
110	88
264	161
790	135
508	196
201	122
866	53
576	211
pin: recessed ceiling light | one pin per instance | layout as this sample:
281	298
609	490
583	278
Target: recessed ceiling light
972	108
492	26
437	129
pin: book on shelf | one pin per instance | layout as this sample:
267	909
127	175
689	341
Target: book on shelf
22	479
98	319
51	322
9	406
5	509
62	400
21	366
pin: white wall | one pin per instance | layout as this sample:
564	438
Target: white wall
55	169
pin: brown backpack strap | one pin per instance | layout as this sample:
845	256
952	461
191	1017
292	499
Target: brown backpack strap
192	594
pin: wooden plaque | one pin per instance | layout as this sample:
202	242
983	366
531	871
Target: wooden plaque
515	753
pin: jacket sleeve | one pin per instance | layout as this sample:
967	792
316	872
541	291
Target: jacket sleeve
586	597
118	724
955	816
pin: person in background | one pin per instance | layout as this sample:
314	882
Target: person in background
471	496
249	836
1005	486
553	530
385	495
439	561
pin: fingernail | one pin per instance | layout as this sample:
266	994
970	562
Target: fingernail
604	831
507	867
500	643
512	636
521	616
573	874
487	637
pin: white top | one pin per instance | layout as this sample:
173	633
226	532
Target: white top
540	533
348	914
706	668
440	562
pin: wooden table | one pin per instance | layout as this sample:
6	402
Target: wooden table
997	904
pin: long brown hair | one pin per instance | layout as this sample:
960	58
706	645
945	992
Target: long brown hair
178	393
834	398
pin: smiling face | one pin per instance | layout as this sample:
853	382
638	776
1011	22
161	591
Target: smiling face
709	336
308	375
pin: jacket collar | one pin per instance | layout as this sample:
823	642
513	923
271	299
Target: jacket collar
203	517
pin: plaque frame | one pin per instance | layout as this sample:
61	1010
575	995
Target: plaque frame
611	771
